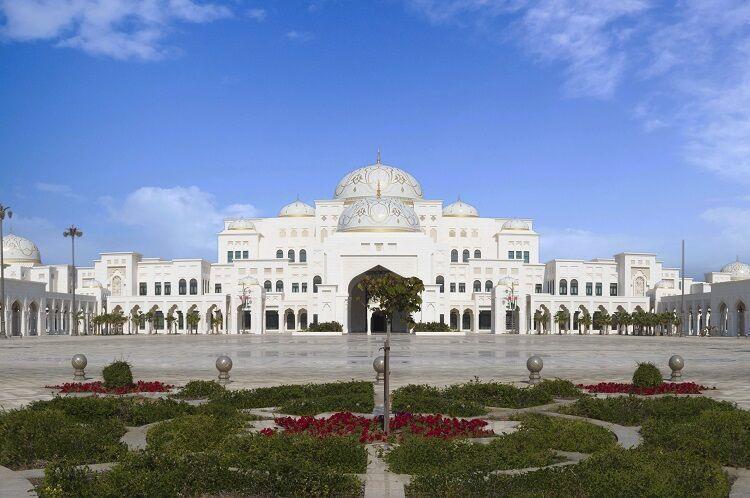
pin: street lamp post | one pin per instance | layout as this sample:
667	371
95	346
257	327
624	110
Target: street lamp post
386	380
73	232
4	211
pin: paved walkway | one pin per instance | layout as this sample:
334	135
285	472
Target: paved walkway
27	364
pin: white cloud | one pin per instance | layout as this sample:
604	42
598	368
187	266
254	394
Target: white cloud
257	14
183	221
123	29
299	36
54	188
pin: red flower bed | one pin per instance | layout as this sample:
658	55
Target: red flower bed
627	388
369	429
97	387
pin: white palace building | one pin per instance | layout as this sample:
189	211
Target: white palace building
275	275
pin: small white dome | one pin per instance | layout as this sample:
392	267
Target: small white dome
737	269
391	182
460	209
515	225
373	214
506	281
241	224
297	209
20	250
662	284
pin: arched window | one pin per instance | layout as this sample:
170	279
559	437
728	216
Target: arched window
193	287
182	287
574	287
279	254
441	282
290	255
477	286
477	254
316	282
563	287
268	286
488	286
279	286
302	256
466	255
454	256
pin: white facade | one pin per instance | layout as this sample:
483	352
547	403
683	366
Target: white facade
481	274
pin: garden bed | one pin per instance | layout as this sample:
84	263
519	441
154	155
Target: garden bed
98	387
629	388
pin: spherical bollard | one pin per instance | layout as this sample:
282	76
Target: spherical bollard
534	364
79	362
378	365
676	363
223	365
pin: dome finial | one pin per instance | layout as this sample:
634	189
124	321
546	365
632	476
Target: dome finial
377	160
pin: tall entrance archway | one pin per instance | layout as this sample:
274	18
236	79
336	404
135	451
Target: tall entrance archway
362	320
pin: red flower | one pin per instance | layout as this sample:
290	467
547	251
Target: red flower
97	387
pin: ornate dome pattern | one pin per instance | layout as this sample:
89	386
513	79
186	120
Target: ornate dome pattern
737	269
515	225
373	214
297	209
390	181
460	209
20	250
241	224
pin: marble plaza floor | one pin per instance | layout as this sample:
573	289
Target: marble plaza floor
28	364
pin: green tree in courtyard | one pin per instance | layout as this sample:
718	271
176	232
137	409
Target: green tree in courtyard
392	295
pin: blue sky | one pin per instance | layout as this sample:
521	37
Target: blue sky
616	125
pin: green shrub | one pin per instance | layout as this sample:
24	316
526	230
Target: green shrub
633	410
117	374
259	467
647	375
418	455
615	472
562	434
304	399
191	433
427	399
499	395
559	388
132	411
325	327
432	327
722	436
200	389
32	437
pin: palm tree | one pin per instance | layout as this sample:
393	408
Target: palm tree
170	320
561	319
192	319
137	319
214	322
539	320
149	317
585	320
118	320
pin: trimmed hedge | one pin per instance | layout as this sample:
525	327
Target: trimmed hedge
634	410
325	327
615	472
647	375
132	411
562	434
30	438
469	399
560	388
432	327
117	374
192	433
722	436
200	389
308	399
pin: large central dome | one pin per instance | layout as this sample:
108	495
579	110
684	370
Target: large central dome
378	214
391	181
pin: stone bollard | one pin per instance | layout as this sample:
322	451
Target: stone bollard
534	364
79	363
223	365
379	366
676	363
